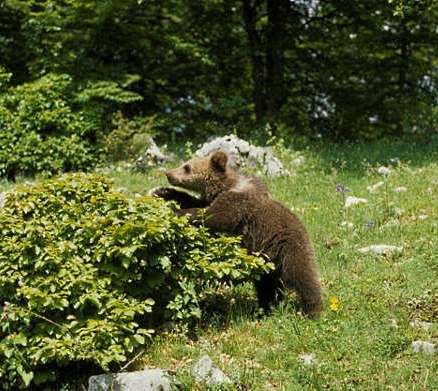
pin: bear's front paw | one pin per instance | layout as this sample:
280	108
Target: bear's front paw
162	192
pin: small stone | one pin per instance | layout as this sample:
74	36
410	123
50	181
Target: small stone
206	371
2	199
380	249
375	187
423	347
146	380
420	324
401	189
350	201
308	359
382	170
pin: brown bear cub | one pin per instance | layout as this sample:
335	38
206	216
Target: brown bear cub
241	205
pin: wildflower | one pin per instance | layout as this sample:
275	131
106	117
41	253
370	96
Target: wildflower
308	358
382	170
398	211
349	201
370	224
401	189
334	303
298	161
374	188
342	189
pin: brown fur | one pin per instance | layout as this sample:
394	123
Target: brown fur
242	205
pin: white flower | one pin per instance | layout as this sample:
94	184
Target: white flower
298	161
382	170
398	211
401	189
349	201
374	188
423	217
347	224
308	358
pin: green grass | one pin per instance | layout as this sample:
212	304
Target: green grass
366	343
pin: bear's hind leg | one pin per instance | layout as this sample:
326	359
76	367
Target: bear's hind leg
269	290
309	291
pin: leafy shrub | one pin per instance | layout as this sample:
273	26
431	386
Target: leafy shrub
86	271
41	133
129	137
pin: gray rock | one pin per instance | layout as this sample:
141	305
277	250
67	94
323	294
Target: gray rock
206	371
146	380
152	156
380	249
2	199
423	347
420	324
243	154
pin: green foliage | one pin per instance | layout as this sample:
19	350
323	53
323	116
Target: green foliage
109	91
5	77
85	271
41	133
342	70
129	137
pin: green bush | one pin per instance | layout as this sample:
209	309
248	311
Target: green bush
129	137
40	131
86	272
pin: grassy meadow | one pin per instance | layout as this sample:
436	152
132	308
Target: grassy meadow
363	340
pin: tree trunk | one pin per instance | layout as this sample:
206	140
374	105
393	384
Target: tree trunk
278	11
402	75
250	15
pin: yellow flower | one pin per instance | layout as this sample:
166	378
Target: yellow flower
334	303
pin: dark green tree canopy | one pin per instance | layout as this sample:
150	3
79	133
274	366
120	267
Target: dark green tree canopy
344	69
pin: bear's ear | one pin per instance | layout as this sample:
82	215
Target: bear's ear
219	161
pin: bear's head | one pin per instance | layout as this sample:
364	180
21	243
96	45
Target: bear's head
208	176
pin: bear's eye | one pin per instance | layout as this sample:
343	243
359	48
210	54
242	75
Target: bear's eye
187	168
